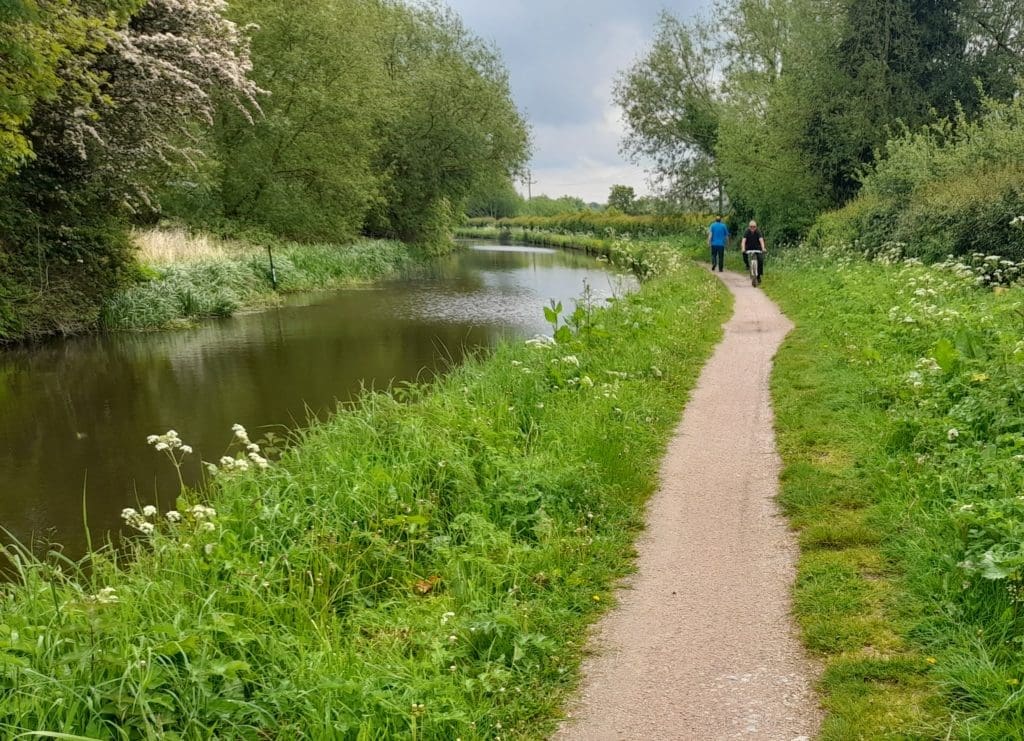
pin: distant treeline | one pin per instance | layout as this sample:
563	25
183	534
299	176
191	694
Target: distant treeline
310	121
606	224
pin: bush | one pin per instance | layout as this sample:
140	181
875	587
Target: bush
954	188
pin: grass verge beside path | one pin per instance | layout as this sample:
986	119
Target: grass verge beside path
424	565
189	277
900	414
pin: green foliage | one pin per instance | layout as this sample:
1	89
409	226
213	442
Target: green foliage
954	187
606	224
305	169
382	117
622	198
64	246
130	80
38	45
495	198
423	565
547	206
671	110
451	123
900	409
784	102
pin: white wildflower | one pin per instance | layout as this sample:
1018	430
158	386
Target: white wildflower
240	433
105	596
149	511
953	434
173	516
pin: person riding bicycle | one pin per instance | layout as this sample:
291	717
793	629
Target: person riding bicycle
753	240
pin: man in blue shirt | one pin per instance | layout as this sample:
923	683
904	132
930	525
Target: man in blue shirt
718	237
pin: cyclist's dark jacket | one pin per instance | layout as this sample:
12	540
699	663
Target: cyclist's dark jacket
753	238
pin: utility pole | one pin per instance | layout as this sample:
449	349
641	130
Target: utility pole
529	185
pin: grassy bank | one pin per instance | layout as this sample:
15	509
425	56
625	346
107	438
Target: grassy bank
187	277
424	565
900	411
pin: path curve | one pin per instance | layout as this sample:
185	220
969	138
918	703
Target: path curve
702	644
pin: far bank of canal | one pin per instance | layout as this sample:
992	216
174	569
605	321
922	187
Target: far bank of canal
75	413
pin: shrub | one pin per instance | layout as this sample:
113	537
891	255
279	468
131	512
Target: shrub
953	188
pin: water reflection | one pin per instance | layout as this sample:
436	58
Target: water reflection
74	414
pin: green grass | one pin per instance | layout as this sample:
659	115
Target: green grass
911	534
227	280
423	565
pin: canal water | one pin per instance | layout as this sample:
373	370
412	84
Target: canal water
74	414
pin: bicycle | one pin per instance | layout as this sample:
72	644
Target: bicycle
754	260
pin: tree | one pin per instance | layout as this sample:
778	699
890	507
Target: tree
671	110
547	206
305	170
623	198
41	45
449	123
495	197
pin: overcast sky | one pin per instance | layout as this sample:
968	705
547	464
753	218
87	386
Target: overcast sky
562	56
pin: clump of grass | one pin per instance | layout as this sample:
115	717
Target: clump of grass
422	565
900	411
177	245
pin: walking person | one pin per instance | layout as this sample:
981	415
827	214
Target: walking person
753	240
718	238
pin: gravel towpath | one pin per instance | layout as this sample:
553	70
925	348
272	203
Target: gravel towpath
702	644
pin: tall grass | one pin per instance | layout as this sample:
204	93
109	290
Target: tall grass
423	565
900	410
185	277
176	245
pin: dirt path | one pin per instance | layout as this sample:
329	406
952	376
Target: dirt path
702	645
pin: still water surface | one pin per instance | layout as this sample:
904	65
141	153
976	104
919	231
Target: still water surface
74	414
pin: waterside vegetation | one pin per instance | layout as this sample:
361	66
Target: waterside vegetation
185	277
